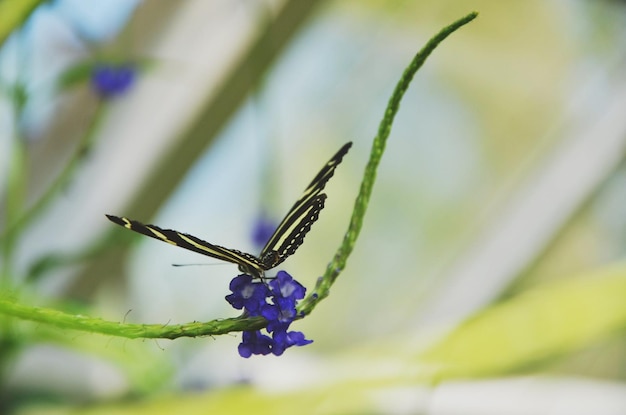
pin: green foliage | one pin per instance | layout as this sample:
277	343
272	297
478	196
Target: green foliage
13	13
535	326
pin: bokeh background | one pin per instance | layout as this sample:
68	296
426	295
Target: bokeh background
504	172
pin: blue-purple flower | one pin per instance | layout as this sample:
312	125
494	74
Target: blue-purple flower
247	294
253	342
110	80
277	304
284	287
283	339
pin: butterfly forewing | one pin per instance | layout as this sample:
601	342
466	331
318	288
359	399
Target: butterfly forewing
284	242
192	243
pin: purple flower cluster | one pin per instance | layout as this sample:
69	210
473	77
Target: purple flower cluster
283	293
112	80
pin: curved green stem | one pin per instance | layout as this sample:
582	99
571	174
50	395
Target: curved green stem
338	263
14	229
64	320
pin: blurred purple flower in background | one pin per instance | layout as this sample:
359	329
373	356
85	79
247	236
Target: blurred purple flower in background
263	230
110	80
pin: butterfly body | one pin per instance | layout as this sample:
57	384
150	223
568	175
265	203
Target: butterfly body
289	234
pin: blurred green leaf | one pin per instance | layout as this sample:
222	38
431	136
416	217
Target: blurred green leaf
13	13
76	74
539	324
346	399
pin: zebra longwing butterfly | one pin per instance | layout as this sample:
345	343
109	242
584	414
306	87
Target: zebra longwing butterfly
288	236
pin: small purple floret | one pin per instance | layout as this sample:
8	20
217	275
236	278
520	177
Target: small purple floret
112	80
284	286
247	294
253	342
284	339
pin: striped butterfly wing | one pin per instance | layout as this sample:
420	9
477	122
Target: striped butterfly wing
247	263
290	233
284	242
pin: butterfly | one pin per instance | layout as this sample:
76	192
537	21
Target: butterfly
285	240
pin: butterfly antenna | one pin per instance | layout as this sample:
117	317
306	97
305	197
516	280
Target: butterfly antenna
199	264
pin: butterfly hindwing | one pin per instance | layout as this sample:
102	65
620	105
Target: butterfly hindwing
295	238
303	204
308	214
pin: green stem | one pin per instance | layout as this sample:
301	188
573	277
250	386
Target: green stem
64	320
338	263
14	201
15	228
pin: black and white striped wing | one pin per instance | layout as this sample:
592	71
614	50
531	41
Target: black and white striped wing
290	233
284	242
245	261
